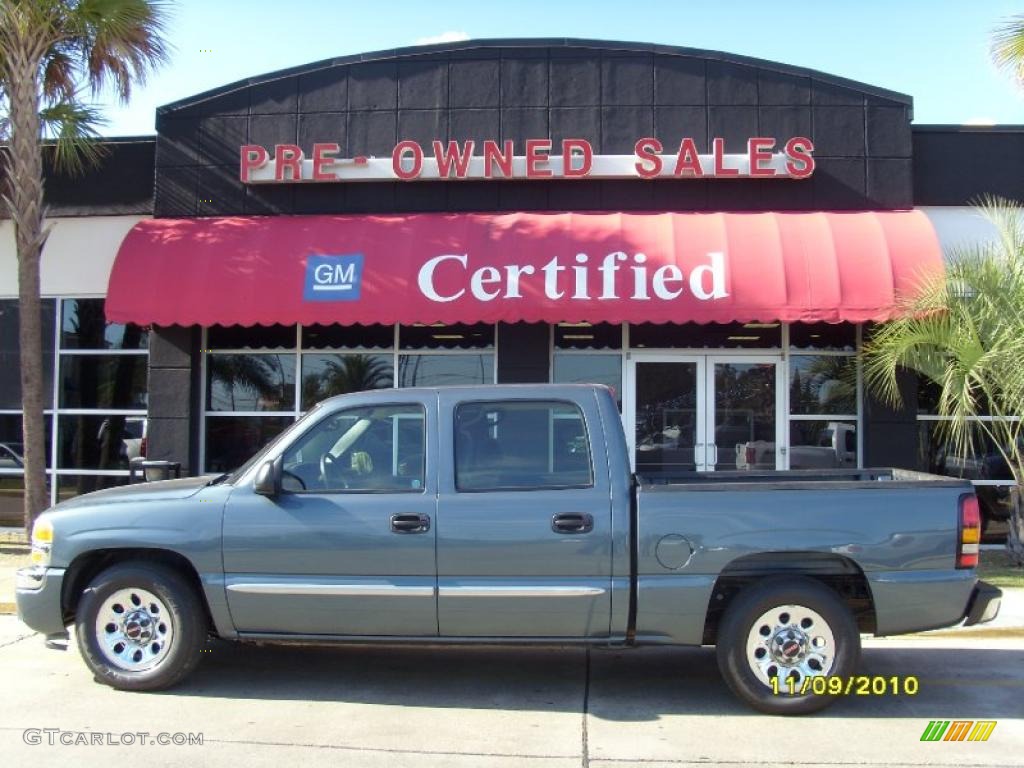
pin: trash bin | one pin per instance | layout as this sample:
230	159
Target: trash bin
144	470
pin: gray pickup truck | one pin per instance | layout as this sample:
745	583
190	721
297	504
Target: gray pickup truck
503	514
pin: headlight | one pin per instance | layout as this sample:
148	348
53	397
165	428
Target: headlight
42	542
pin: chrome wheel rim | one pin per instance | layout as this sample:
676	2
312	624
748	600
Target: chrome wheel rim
790	642
134	630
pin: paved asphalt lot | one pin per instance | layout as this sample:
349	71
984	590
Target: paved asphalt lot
488	707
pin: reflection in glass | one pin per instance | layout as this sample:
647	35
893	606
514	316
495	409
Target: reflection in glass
10	361
75	485
939	455
822	445
84	326
588	336
834	336
231	440
98	442
327	375
666	417
256	382
445	370
12	500
590	369
12	449
710	335
251	337
822	384
441	336
348	336
744	422
103	381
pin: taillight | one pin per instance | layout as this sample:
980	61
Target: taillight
751	456
970	532
142	448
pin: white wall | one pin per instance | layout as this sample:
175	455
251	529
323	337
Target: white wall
77	258
958	226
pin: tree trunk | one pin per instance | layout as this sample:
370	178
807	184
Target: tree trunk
1015	538
25	200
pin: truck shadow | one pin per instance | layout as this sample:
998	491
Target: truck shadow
630	686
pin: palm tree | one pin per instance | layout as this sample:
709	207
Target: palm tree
1008	46
966	334
49	51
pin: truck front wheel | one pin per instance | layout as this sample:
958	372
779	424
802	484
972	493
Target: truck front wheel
777	636
140	627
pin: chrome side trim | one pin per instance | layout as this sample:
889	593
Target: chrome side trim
520	591
331	590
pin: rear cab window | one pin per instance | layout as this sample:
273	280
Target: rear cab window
521	445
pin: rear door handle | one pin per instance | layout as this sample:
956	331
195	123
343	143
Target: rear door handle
572	522
410	523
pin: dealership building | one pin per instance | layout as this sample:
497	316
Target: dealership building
711	235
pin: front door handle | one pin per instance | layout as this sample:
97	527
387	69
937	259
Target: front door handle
410	523
572	522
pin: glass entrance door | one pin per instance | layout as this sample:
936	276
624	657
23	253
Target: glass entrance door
743	414
702	413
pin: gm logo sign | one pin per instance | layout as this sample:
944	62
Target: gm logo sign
333	278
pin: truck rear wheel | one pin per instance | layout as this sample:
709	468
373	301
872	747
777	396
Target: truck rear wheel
140	627
777	636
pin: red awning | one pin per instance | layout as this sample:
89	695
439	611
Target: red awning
553	267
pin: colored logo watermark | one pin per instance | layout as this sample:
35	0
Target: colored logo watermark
958	730
333	278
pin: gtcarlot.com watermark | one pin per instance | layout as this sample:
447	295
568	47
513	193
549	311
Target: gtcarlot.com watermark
59	737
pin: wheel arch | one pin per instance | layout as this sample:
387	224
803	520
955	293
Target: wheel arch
85	567
839	573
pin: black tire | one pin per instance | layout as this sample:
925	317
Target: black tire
179	612
737	626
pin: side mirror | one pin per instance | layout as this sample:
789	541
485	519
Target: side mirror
268	479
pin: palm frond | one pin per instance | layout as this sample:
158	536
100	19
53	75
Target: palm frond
1008	46
73	126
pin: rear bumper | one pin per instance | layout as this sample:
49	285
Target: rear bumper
983	605
37	592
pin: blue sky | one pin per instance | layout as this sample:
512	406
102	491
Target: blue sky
935	51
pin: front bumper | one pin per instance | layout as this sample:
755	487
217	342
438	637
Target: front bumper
984	604
37	592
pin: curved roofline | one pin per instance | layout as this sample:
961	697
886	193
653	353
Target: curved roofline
415	51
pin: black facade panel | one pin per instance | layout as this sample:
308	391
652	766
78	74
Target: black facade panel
840	183
373	85
423	84
782	89
268	130
734	124
321	198
413	197
672	124
475	124
523	196
680	81
627	80
627	195
275	97
524	82
731	83
833	95
523	353
570	195
575	82
170	347
888	132
891	433
519	124
220	192
786	194
169	392
169	439
268	199
423	126
472	196
839	132
122	182
177	142
671	195
369	198
323	127
324	90
474	83
783	123
725	195
372	133
220	139
890	181
175	191
576	123
958	166
620	128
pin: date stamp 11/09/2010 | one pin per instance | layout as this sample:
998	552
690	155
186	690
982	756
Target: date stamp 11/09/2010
855	685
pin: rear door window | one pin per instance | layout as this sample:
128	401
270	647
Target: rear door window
521	445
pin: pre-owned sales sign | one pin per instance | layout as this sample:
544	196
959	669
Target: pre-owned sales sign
574	159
